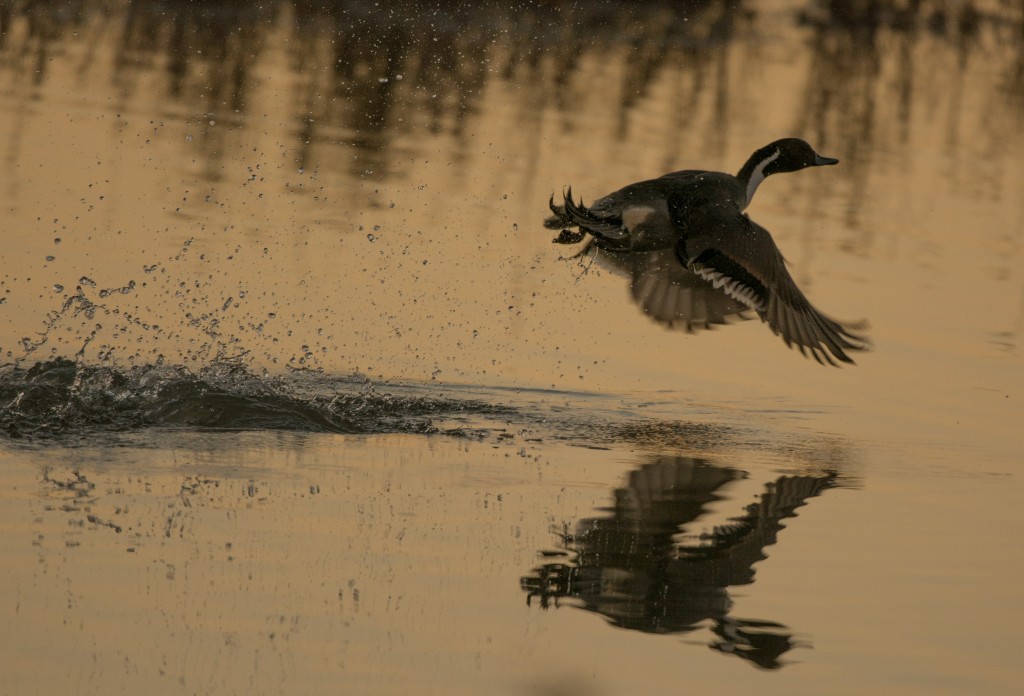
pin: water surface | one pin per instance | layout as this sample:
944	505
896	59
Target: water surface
298	396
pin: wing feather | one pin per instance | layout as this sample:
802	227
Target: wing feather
733	252
669	293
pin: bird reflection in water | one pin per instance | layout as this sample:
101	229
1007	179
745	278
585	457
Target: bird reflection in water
638	570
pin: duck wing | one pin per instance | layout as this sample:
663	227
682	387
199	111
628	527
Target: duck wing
669	293
734	253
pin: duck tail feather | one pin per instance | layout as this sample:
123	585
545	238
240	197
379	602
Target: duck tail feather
559	219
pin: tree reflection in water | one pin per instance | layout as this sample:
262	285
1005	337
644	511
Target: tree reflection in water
638	570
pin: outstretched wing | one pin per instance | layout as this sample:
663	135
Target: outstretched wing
670	293
739	256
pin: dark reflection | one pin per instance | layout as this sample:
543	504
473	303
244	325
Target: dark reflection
637	569
363	76
861	94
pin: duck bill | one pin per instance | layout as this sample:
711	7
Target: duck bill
820	161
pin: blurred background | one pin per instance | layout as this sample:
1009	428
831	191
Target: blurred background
353	188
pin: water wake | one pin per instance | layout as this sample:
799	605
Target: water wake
62	398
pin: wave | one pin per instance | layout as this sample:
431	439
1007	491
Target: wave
66	399
74	403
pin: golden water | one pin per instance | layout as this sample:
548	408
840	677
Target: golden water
360	192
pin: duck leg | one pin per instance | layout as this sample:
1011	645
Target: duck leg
569	237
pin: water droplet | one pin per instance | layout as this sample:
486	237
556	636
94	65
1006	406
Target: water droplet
57	287
382	80
371	237
376	228
56	240
87	281
51	258
188	138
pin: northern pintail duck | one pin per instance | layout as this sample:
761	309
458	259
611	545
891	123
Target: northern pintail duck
695	259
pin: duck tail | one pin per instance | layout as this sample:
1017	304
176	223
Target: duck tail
560	219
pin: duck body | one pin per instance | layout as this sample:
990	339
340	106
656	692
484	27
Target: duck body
637	217
695	259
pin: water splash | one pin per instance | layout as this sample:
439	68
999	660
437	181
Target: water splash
65	399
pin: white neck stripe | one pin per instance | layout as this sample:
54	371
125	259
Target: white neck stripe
758	174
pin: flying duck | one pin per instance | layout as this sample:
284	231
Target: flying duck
695	259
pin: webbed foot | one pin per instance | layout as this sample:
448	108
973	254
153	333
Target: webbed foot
569	237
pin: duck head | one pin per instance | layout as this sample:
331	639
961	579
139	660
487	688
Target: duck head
785	155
